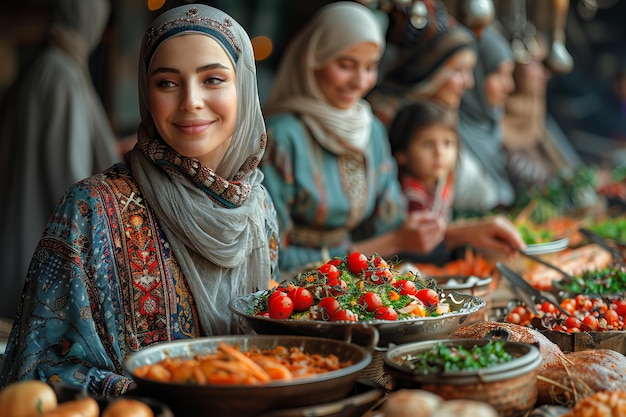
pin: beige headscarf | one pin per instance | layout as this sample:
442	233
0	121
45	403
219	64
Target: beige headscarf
214	220
335	28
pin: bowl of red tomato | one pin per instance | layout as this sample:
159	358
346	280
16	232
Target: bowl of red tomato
345	297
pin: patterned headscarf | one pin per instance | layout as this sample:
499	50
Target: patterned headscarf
420	62
214	220
419	66
334	29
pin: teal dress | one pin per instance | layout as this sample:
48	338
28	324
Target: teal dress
103	283
325	202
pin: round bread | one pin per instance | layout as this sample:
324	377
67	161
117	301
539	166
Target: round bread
411	403
465	408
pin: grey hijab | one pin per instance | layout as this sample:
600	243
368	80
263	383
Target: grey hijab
54	132
213	220
480	125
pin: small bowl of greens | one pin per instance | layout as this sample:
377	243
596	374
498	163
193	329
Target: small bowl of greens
499	372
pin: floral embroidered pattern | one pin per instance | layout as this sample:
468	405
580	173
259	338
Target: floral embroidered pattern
226	193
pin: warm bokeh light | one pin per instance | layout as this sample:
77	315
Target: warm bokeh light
262	46
155	4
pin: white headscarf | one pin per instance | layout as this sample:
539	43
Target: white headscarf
214	220
334	29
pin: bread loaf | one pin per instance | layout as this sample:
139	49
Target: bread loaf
581	374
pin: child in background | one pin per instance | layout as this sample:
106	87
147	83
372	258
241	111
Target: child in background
425	143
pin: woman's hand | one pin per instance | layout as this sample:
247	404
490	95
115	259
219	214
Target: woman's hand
495	233
421	233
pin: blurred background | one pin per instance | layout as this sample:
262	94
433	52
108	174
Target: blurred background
588	102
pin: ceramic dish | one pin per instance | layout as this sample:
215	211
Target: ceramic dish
547	247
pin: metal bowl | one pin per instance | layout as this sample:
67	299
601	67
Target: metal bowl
464	284
389	332
249	400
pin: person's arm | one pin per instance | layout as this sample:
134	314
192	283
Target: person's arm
67	329
494	233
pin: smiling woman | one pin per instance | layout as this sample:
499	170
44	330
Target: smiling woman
328	165
194	102
154	249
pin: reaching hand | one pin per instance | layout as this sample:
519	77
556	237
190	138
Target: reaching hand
495	233
422	232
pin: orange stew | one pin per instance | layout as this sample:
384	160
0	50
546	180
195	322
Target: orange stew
228	365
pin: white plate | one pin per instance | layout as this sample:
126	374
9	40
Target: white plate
547	247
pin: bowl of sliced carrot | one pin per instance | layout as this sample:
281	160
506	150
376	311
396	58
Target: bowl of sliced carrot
246	375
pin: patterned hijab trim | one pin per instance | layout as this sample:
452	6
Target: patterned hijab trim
193	22
228	194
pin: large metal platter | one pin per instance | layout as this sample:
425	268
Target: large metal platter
192	400
389	332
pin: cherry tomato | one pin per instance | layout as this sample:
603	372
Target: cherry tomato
620	308
612	318
406	287
344	315
589	323
370	301
571	322
301	297
331	272
513	318
335	262
386	313
429	297
281	307
548	307
357	262
569	304
275	294
328	306
583	302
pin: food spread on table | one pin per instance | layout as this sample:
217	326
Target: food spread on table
229	365
354	288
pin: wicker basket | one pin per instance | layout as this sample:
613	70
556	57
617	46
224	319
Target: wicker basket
375	371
